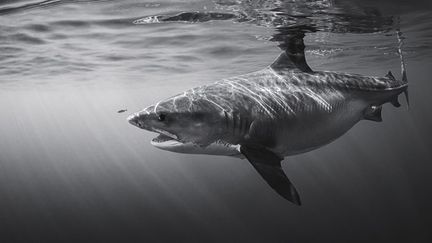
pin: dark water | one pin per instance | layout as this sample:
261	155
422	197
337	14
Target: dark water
72	168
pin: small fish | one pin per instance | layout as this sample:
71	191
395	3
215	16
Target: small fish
122	110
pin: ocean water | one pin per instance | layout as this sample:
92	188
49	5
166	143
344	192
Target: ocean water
73	169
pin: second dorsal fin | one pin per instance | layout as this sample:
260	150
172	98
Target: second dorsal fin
293	57
390	76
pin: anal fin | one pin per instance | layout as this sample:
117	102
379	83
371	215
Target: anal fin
268	165
395	102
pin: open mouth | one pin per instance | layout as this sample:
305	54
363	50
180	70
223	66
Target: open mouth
165	139
162	138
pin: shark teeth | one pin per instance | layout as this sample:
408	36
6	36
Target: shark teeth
168	134
163	141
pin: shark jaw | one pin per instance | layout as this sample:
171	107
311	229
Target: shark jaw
170	142
164	141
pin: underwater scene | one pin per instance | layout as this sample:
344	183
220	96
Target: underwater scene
215	121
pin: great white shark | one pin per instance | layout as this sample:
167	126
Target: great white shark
264	116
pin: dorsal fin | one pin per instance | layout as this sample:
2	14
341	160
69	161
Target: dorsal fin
293	58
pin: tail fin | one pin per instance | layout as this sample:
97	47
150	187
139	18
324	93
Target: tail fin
403	66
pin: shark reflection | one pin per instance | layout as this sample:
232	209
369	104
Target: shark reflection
264	116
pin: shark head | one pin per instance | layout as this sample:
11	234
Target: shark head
184	123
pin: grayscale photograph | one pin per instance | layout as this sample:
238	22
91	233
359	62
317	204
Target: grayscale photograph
215	121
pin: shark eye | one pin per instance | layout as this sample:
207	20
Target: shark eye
161	117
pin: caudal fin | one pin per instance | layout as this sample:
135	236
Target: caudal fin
403	66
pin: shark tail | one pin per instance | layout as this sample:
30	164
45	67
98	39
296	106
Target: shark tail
403	66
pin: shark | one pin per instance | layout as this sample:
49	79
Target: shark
264	116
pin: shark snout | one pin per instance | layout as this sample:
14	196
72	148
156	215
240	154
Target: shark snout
142	119
134	120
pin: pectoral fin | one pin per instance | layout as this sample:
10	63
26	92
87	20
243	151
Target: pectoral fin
268	165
